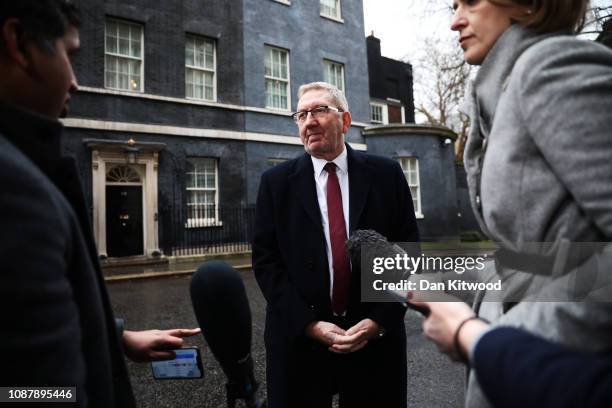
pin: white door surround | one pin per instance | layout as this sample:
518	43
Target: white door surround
143	157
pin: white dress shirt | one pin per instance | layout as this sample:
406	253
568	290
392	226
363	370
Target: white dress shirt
320	176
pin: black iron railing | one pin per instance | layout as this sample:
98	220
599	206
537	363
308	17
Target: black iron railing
206	230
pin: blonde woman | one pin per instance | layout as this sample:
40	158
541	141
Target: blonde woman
538	160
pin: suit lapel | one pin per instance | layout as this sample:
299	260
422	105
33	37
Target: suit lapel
359	185
304	188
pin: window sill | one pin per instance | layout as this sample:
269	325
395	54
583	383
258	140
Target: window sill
278	109
285	2
336	19
135	91
200	99
203	223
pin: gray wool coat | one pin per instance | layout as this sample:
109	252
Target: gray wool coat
539	166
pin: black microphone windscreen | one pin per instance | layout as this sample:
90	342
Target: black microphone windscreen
375	243
222	310
370	244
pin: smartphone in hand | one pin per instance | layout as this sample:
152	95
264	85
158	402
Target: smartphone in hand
186	365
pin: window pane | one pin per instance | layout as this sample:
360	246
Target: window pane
134	67
201	193
111	44
377	115
199	52
208	79
123	66
277	76
275	63
124	31
210	55
135	50
268	62
209	93
201	180
110	64
135	83
269	102
124	46
123	81
330	8
199	56
283	65
411	171
210	180
189	57
110	80
124	39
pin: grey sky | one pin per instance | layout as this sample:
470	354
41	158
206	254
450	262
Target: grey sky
403	24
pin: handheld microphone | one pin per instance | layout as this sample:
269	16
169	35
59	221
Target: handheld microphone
377	244
222	310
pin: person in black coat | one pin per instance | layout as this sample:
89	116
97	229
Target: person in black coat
320	337
57	324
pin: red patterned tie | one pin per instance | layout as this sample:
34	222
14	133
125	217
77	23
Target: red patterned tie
337	236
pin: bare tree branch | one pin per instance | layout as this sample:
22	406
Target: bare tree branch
442	76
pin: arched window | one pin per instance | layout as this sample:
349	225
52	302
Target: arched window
122	174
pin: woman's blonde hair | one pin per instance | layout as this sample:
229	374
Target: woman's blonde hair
551	15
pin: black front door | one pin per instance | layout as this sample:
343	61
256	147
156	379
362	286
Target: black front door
124	234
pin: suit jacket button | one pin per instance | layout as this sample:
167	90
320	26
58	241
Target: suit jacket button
309	265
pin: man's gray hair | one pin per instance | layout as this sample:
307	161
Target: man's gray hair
336	95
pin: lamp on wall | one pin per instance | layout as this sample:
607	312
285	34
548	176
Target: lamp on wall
446	142
131	152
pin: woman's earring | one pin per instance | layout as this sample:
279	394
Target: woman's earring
529	11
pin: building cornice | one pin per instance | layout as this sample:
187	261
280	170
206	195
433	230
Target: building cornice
194	102
110	126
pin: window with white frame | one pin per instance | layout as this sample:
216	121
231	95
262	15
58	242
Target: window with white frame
333	73
200	66
410	166
379	113
202	183
277	78
330	8
123	55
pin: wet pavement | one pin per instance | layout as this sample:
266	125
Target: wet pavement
433	381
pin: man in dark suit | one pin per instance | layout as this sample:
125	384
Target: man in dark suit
320	337
57	324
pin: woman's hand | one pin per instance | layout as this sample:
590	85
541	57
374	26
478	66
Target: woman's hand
444	319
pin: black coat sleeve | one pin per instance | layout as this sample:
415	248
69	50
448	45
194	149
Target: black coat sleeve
517	369
271	271
41	336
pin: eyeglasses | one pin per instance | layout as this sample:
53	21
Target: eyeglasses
316	113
